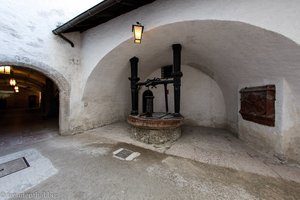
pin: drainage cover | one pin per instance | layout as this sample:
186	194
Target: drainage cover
125	154
13	166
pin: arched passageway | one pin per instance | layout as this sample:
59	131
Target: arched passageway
58	79
29	106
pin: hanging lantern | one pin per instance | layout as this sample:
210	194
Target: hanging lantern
12	82
16	89
137	30
5	69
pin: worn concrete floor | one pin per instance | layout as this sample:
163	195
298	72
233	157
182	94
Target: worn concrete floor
19	127
87	170
211	146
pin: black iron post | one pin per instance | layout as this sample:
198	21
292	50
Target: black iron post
166	97
177	74
134	88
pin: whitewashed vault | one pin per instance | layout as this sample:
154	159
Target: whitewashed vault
227	45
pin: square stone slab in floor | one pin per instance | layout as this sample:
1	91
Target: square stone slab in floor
13	166
125	154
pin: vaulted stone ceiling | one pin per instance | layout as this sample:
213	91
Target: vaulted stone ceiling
26	79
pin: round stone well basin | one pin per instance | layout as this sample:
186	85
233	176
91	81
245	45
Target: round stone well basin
158	129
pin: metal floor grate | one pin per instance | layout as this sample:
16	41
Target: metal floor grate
13	166
125	154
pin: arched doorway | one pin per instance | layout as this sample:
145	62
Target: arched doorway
29	106
51	73
145	94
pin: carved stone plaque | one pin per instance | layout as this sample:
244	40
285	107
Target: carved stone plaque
258	104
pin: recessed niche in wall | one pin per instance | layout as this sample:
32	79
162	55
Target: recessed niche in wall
166	72
258	104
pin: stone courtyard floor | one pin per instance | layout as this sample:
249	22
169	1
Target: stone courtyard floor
204	163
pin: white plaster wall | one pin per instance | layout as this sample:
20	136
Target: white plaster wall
278	16
266	138
26	39
217	37
26	33
291	126
283	139
275	15
202	101
230	52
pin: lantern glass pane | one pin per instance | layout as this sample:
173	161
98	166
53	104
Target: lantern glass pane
2	70
138	30
7	69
